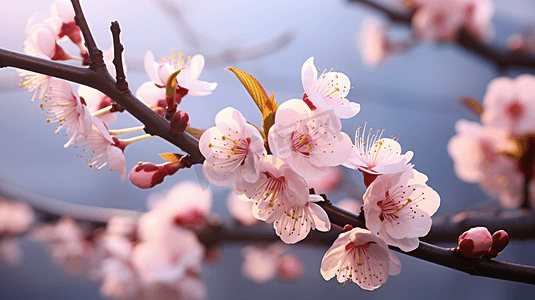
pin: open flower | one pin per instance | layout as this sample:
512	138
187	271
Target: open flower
310	141
188	77
374	156
479	155
260	264
62	104
294	224
509	104
168	250
232	149
105	149
398	208
360	257
328	91
277	189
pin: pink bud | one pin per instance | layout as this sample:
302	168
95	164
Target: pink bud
290	267
475	242
179	122
146	175
500	239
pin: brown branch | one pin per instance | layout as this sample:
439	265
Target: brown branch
447	257
500	58
50	210
118	48
96	59
101	80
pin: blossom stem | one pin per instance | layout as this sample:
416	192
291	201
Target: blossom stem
126	130
102	111
135	139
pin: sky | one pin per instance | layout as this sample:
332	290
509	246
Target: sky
412	96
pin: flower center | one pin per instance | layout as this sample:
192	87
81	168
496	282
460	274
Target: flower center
270	190
302	142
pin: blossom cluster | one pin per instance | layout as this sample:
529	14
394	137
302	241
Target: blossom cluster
86	113
495	153
157	256
432	21
306	142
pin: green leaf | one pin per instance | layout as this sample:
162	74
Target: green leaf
195	132
171	156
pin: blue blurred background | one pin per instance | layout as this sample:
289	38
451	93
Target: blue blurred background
412	96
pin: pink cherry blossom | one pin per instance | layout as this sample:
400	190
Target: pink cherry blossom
475	242
63	104
119	279
479	15
260	264
398	208
15	218
360	257
184	200
478	155
439	20
509	104
63	10
294	224
277	189
104	148
373	42
167	250
328	91
310	141
188	77
67	243
232	149
374	156
290	267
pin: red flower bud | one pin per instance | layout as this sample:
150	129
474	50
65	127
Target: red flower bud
475	242
500	239
146	175
179	122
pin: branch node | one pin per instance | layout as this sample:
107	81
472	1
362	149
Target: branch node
118	48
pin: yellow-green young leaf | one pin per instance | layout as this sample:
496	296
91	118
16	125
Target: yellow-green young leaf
252	86
170	88
473	104
268	106
195	132
171	156
268	113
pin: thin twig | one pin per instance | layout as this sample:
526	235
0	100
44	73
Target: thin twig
447	257
118	48
96	59
502	59
101	80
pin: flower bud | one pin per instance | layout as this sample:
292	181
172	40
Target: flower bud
500	239
146	175
290	267
179	122
475	242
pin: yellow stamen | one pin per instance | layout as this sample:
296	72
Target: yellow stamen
409	200
335	90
